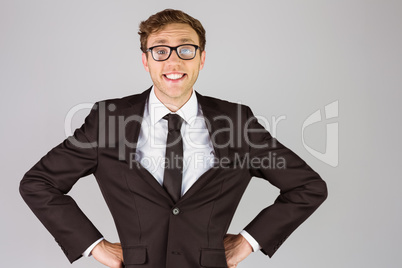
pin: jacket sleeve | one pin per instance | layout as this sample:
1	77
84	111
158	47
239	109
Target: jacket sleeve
45	186
301	189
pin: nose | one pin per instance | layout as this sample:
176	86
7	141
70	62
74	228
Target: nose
174	57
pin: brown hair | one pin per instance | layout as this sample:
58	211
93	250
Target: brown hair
159	20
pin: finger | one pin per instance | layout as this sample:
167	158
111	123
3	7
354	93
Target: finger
230	263
121	256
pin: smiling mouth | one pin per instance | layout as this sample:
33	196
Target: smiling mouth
175	76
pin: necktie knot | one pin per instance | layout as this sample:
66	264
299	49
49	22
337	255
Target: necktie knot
174	121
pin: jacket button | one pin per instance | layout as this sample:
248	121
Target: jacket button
176	211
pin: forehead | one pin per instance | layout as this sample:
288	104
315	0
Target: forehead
173	34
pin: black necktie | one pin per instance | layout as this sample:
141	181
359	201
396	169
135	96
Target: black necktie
174	157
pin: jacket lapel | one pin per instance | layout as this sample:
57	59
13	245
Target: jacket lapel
218	128
132	118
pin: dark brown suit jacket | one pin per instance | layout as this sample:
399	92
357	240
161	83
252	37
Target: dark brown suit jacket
154	231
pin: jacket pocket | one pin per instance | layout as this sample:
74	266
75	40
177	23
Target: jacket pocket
134	255
211	257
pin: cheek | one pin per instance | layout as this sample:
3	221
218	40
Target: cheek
155	70
193	67
196	68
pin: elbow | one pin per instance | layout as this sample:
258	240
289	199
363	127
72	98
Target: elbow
310	196
320	192
24	188
28	186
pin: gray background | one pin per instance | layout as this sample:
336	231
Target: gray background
287	58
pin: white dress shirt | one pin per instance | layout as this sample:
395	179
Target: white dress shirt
198	151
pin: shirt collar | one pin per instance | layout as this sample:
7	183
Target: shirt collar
157	110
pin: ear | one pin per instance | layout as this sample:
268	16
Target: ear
202	60
145	62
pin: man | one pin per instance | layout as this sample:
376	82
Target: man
175	214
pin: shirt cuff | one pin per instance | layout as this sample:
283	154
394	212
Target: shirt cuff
254	244
87	253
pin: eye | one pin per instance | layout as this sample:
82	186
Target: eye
161	50
187	50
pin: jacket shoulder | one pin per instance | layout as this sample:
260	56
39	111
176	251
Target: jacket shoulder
126	101
223	106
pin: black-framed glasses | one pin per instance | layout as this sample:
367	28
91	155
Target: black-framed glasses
184	52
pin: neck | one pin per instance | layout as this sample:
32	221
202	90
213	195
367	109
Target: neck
175	103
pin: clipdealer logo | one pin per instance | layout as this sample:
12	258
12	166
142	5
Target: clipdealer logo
331	110
331	154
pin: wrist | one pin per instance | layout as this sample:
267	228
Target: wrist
246	245
253	243
88	252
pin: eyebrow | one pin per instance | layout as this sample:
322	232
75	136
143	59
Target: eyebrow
164	41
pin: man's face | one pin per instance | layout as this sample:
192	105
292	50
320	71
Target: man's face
173	78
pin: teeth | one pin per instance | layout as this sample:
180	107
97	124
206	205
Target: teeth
174	76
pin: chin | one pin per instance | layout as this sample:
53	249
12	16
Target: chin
175	93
